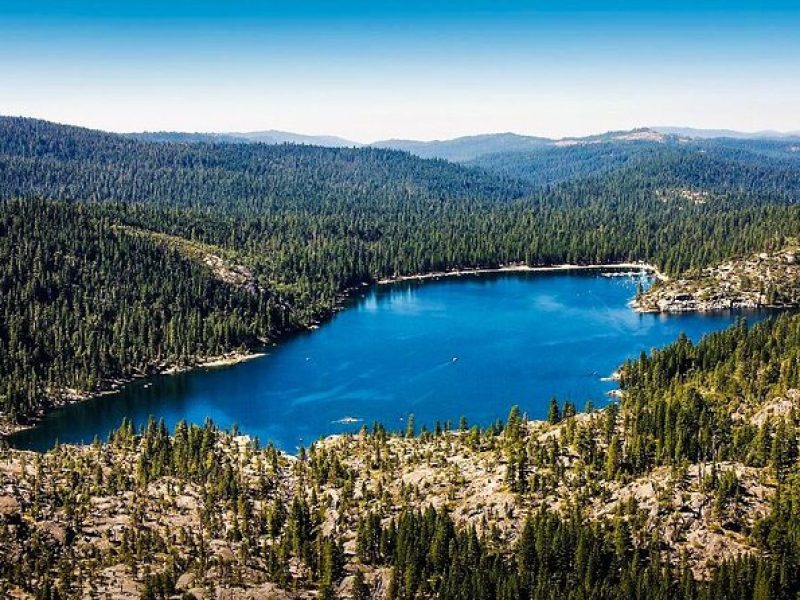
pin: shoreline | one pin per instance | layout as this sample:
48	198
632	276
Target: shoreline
523	268
754	282
739	308
67	397
214	362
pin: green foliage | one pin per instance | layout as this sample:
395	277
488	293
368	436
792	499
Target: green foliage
553	412
84	303
768	169
96	291
679	401
96	285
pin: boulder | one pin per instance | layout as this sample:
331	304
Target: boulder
56	532
185	581
9	506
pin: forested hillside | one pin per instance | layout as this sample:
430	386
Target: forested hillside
307	224
69	163
84	303
466	148
550	165
259	137
685	490
763	168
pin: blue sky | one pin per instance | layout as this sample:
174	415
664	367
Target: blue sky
372	70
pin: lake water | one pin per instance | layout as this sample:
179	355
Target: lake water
471	345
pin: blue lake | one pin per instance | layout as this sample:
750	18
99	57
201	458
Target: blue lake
471	345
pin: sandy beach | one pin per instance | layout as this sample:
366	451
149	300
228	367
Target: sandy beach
231	359
525	268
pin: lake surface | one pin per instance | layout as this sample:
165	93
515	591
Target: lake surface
470	345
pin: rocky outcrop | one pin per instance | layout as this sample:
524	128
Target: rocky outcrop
233	274
9	507
766	280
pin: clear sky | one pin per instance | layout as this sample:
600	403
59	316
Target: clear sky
373	69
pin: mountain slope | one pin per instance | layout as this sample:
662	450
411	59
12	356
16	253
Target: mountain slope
274	136
767	168
181	137
271	136
274	236
86	303
693	132
43	159
550	165
466	148
471	148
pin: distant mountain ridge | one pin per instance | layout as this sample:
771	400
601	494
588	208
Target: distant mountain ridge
92	164
275	136
514	163
471	147
460	149
270	136
698	133
467	147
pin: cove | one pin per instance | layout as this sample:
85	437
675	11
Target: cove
470	345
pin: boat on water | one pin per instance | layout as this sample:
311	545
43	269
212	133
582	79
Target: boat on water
348	420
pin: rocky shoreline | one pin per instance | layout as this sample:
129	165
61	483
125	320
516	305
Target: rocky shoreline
760	281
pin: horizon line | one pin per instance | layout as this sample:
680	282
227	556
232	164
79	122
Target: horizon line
770	132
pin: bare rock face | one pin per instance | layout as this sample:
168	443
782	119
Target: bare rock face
778	408
266	591
56	532
9	507
465	473
236	275
377	581
761	280
225	555
380	582
185	581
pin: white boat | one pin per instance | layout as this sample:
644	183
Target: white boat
348	420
